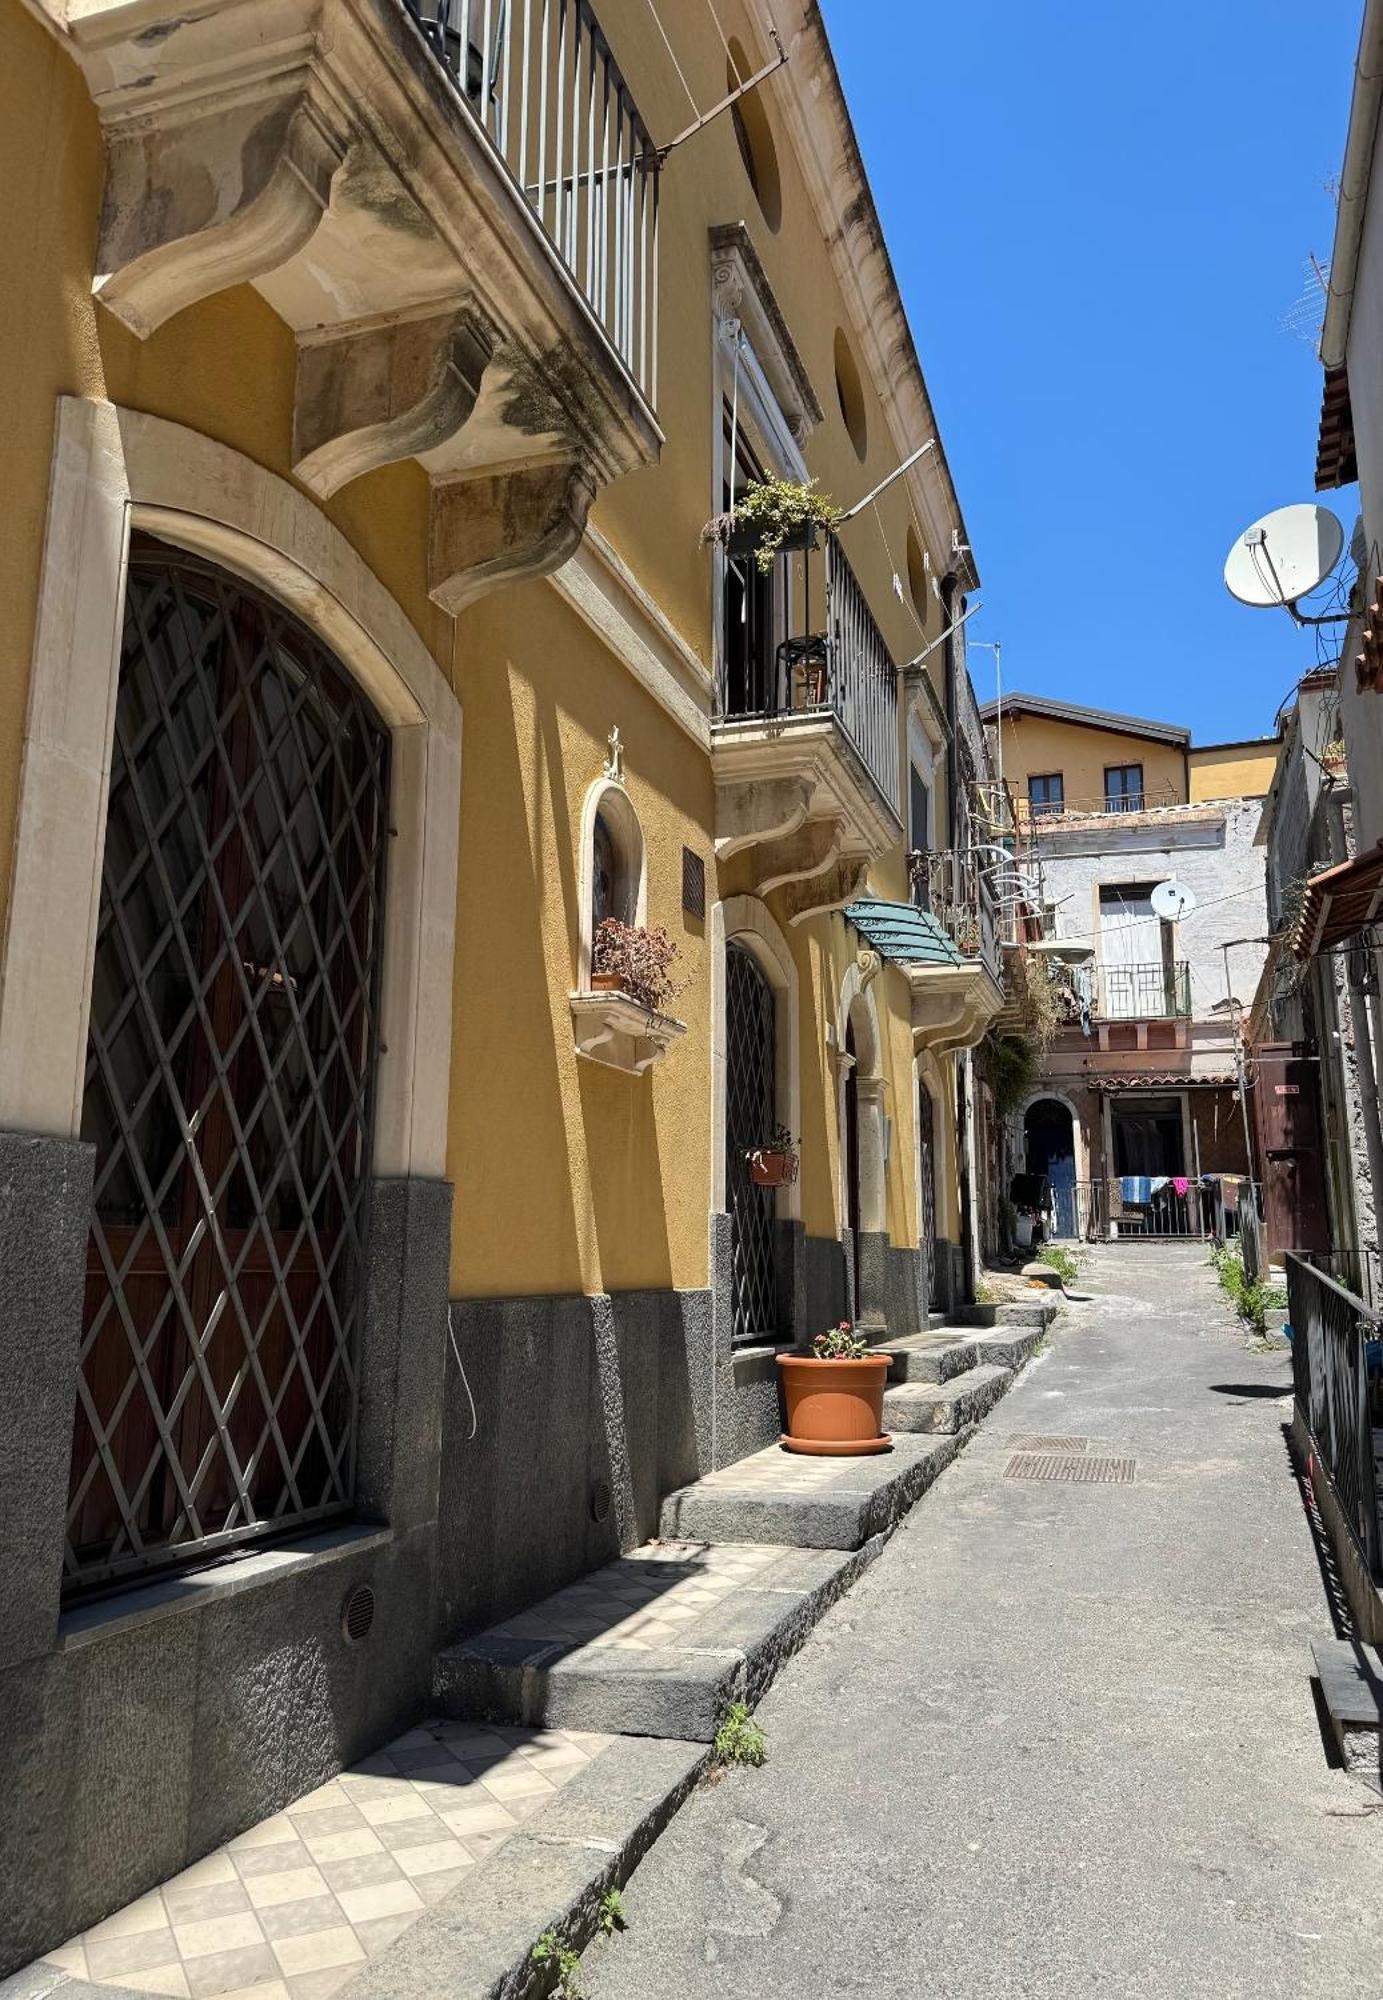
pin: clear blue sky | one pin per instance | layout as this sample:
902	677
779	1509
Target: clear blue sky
1099	215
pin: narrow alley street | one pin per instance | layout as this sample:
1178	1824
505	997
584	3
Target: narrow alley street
1060	1739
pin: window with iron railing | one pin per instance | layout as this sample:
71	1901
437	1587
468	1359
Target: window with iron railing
1123	788
1045	793
540	77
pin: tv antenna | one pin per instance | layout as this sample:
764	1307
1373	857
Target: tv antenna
1285	556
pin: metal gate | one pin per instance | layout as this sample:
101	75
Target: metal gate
750	1104
229	1075
926	1143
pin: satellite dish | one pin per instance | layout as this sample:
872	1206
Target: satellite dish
1283	556
1173	900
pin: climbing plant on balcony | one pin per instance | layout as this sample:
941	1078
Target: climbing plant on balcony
771	515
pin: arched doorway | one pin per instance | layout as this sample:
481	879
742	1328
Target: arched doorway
229	1080
1049	1145
751	1068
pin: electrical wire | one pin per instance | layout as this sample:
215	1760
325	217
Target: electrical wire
451	1331
696	108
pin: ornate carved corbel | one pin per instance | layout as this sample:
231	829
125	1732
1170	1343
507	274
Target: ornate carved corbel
503	527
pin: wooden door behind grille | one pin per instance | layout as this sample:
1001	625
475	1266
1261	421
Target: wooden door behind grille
229	1079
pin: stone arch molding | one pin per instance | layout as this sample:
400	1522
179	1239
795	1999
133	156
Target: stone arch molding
858	1009
608	795
745	920
115	470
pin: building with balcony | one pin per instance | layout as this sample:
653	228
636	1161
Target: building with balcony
1139	1092
373	721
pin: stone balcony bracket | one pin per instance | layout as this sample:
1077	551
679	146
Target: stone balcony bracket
317	150
952	1005
793	793
621	1033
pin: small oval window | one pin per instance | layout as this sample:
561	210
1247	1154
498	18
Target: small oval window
754	135
850	395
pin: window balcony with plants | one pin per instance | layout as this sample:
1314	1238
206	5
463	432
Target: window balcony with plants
805	734
453	205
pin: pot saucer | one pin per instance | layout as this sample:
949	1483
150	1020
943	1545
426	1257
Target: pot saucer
836	1447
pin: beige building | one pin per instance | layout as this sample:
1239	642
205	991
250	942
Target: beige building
372	370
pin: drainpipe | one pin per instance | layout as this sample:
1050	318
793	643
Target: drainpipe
1355	175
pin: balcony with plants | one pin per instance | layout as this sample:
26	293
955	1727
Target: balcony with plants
453	205
805	735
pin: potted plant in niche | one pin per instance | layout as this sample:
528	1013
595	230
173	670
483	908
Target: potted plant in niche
637	961
834	1397
984	1310
774	1164
770	516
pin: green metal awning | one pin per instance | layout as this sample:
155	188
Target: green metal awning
904	935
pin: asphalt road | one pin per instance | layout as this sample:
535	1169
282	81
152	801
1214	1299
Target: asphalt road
1060	1740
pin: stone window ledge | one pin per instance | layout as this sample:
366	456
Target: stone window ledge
85	1624
759	1363
611	1028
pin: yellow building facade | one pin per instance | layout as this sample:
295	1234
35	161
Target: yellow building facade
373	372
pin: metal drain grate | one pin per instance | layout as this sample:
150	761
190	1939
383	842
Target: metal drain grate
1072	1470
1038	1441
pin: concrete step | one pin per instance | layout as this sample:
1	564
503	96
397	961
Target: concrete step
1006	1346
1027	1312
929	1357
946	1407
658	1643
810	1503
1351	1682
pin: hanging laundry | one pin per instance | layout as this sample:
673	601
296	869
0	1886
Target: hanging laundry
1180	1184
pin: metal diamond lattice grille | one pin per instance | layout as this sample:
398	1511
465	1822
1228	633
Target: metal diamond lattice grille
229	1078
749	1120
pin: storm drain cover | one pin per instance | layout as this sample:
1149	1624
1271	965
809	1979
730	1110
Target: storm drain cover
1039	1441
1071	1469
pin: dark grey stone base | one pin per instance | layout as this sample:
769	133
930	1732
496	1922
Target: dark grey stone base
951	1407
142	1733
587	1410
45	1214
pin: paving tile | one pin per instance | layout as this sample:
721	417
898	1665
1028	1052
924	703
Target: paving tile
320	1985
274	1989
279	1859
148	1914
188	1901
487	1817
358	1868
219	1934
416	1861
517	1784
294	1885
432	1888
227	1971
380	1899
316	1913
168	1979
331	1819
331	1797
319	1951
337	1846
413	1833
398	1806
108	1956
412	1739
376	1934
269	1833
70	1958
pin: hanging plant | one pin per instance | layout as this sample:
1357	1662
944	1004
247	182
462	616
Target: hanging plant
634	960
774	1164
772	515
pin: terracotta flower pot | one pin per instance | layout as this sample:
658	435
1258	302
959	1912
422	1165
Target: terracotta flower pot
835	1409
771	1168
606	982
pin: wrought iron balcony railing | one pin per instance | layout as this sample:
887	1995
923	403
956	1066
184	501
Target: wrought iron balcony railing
1137	992
540	77
1150	799
1337	1394
951	885
803	640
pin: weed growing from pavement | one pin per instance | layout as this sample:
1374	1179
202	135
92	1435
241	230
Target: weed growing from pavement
612	1917
1064	1262
739	1739
550	1950
1250	1297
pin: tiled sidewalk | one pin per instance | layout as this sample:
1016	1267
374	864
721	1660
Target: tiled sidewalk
293	1908
645	1599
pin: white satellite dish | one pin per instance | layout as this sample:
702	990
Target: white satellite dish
1283	556
1172	900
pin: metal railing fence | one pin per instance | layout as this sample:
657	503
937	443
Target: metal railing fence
950	884
820	651
1335	1390
1150	799
1153	992
540	77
